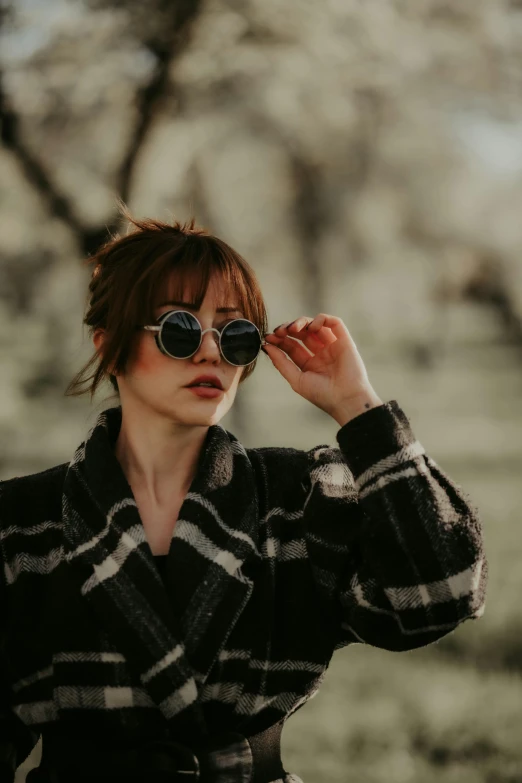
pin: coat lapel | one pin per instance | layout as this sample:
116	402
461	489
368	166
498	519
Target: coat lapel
171	635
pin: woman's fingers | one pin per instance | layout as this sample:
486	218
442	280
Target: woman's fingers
336	325
297	352
286	366
314	338
321	321
322	330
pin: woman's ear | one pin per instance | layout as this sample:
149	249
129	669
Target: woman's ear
98	339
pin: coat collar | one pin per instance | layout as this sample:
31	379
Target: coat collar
171	635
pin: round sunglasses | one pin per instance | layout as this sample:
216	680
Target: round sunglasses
179	335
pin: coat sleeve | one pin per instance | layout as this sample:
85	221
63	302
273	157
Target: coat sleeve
7	748
394	544
16	739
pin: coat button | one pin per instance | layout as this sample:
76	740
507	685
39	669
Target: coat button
168	761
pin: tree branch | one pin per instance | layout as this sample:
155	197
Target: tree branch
34	170
165	49
166	46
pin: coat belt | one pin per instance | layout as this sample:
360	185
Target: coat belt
228	757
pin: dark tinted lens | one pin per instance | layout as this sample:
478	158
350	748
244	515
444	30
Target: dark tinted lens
181	334
240	342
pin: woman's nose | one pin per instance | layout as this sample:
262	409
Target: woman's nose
209	347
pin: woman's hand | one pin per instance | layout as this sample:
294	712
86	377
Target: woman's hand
326	369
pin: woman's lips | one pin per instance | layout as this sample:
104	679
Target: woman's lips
205	391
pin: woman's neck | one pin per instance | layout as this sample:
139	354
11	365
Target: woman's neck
159	464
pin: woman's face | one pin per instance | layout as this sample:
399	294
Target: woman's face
158	382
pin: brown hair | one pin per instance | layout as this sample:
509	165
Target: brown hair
129	274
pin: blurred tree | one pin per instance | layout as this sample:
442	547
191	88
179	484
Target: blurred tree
163	29
366	155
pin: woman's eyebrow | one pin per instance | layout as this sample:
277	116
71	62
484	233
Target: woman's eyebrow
191	307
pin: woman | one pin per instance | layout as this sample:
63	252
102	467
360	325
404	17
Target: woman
170	597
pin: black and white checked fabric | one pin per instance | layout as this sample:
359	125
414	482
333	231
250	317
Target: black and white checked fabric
279	557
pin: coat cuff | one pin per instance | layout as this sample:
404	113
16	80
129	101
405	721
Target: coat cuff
374	435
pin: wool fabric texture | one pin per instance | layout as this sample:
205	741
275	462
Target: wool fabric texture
279	558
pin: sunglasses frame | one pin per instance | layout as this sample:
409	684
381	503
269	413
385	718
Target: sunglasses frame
163	317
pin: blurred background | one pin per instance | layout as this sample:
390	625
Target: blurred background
366	159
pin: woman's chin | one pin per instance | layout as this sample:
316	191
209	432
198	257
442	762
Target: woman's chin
211	415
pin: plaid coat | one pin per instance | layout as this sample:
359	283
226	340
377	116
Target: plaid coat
279	558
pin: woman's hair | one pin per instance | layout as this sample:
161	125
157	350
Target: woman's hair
130	273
